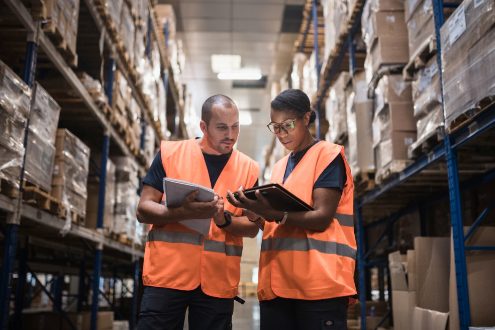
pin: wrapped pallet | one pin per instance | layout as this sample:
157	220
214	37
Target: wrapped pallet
126	197
15	105
467	51
297	75
70	173
93	199
427	100
385	34
71	14
114	11
127	33
149	145
359	119
40	149
394	127
335	109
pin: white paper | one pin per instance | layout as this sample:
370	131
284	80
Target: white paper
457	25
175	193
390	19
433	69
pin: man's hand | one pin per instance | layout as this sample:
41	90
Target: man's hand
198	210
219	217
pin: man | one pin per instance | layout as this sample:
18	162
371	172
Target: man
183	269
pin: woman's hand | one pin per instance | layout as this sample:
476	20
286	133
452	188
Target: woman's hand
261	206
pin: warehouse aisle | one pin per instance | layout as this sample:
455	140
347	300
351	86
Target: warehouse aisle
246	317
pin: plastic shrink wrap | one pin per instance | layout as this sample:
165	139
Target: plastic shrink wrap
336	108
359	119
468	54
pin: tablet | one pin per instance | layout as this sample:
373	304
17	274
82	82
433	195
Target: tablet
279	197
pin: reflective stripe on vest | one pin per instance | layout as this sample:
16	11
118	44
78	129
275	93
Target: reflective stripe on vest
194	239
301	244
345	219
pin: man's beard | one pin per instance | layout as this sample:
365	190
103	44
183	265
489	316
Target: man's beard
219	147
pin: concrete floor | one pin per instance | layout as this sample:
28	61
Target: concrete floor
246	317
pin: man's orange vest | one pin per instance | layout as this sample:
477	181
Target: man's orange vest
305	264
177	257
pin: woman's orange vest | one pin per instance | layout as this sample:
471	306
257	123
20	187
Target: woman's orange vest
305	264
177	257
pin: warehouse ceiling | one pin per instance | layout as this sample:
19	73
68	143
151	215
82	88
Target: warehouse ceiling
261	31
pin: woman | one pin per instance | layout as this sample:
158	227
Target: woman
307	260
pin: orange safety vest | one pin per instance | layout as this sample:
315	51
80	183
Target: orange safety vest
177	257
305	264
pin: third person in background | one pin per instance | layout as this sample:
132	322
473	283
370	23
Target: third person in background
307	261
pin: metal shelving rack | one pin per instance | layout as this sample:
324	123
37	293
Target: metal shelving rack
79	239
383	205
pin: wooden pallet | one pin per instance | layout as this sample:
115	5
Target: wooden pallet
427	143
33	195
390	169
467	116
9	189
419	60
38	10
363	181
52	30
384	69
69	55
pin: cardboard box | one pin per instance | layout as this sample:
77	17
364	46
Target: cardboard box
432	272
403	304
386	5
411	271
354	311
66	172
82	321
397	271
385	24
424	319
41	321
426	93
372	322
359	125
67	144
393	149
480	267
76	202
389	51
392	89
45	112
40	157
395	117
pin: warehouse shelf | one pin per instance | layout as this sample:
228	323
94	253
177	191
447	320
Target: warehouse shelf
107	257
440	174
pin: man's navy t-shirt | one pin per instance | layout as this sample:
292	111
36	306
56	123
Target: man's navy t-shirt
214	164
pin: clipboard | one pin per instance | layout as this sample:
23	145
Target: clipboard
279	197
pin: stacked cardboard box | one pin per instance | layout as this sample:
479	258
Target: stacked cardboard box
40	149
149	145
93	199
427	100
127	32
421	26
126	197
403	290
359	119
354	315
467	51
480	266
15	105
70	173
335	108
297	75
394	127
309	85
336	15
63	17
385	34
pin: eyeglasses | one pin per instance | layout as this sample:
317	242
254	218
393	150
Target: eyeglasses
287	126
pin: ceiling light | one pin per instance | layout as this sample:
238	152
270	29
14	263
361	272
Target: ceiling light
245	118
240	75
225	62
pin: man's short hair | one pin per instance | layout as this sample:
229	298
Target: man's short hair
206	109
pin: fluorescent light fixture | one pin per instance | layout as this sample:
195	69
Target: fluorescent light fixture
245	118
225	62
243	74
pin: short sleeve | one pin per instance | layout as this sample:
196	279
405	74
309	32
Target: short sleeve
156	173
334	176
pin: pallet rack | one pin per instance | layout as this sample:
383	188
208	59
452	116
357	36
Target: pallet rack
89	254
433	177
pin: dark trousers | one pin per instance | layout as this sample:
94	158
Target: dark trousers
292	314
165	309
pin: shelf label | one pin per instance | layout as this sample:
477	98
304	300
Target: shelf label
457	25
